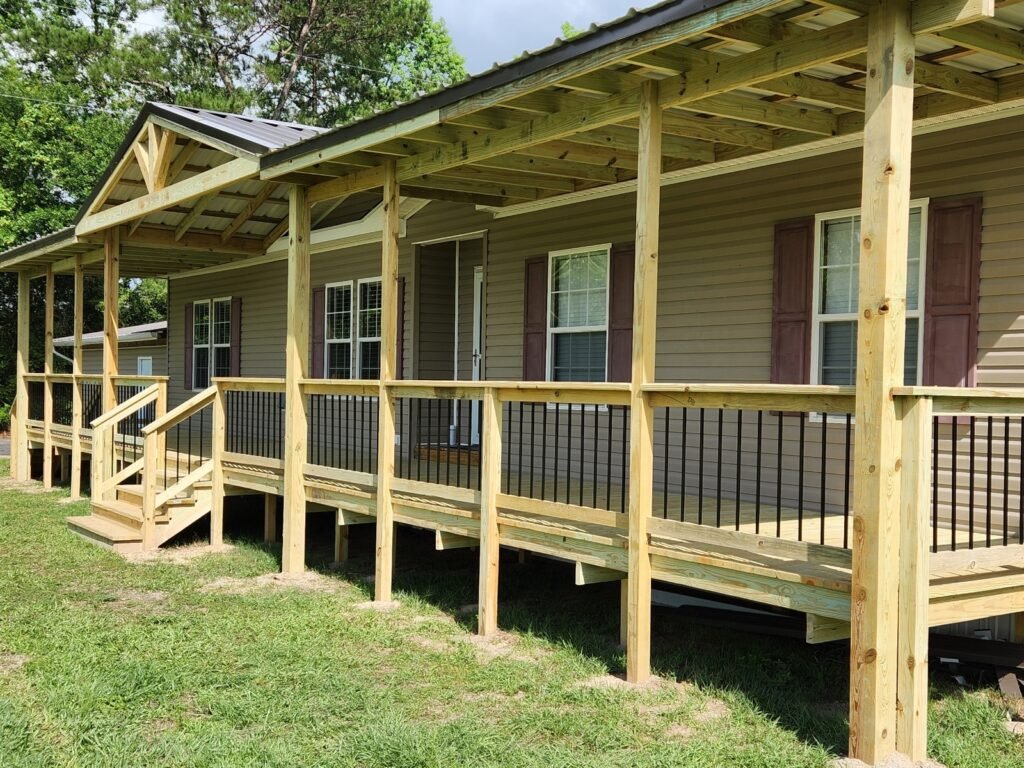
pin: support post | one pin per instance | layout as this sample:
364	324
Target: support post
490	487
48	381
641	448
912	668
340	540
269	518
885	214
111	277
21	463
385	548
77	406
293	550
219	446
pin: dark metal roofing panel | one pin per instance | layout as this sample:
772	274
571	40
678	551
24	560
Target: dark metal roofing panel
43	241
249	133
597	37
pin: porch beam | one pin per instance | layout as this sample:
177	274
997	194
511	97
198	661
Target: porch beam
213	180
111	277
385	528
641	457
20	463
77	369
988	38
194	241
885	211
48	383
296	350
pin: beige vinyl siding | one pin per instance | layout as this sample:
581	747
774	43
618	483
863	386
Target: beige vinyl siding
127	359
435	317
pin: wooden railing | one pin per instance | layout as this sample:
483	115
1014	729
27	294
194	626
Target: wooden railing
117	435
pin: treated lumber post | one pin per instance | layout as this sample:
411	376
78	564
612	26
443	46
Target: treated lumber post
490	487
293	550
48	381
641	449
912	668
340	539
111	276
269	517
151	444
220	420
77	407
885	212
385	548
20	463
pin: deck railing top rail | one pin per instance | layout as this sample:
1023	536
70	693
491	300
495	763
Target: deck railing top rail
267	384
968	401
128	406
182	412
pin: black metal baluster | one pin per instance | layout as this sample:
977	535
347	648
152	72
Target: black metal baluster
1006	480
846	482
544	452
700	472
953	486
664	466
739	463
608	462
970	484
988	483
801	458
554	448
824	469
935	484
718	469
757	473
593	470
682	467
778	478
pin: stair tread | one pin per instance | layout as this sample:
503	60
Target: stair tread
123	508
105	528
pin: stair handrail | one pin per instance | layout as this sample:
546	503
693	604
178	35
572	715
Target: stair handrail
178	414
152	434
105	478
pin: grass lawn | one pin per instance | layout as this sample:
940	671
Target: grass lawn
211	661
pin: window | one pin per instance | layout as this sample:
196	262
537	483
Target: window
578	314
834	329
338	331
352	343
211	341
144	366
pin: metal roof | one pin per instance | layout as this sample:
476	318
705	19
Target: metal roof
144	332
530	62
253	134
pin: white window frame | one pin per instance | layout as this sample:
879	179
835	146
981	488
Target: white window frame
818	317
357	304
214	346
210	346
351	326
551	332
149	359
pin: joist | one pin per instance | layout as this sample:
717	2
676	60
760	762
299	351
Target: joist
445	541
154	237
198	207
592	574
179	162
247	213
213	180
988	38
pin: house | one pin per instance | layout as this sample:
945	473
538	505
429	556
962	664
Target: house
725	295
142	350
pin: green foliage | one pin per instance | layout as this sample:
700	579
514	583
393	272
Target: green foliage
5	417
142	301
569	31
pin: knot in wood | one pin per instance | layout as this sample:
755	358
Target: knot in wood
911	663
883	307
908	65
898	464
871	468
867	314
866	243
870	656
888	170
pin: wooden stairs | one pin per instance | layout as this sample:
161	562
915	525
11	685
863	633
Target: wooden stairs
117	523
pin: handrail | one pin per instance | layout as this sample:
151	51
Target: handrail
126	379
182	412
250	384
132	403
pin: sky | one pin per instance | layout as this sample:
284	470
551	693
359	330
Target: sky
489	31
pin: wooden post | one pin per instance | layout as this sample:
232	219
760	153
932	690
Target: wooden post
220	420
296	350
885	215
77	406
150	489
269	518
385	549
111	276
48	381
641	435
21	463
340	540
624	612
490	487
912	667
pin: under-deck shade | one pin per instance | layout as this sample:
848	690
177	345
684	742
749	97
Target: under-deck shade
739	82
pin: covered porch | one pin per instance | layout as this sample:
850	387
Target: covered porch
846	503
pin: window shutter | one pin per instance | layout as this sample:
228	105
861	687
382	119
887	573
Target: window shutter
236	336
189	316
951	293
620	313
400	330
791	302
535	324
316	332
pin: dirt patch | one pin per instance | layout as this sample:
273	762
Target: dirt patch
714	709
306	582
679	732
492	697
8	483
503	645
380	606
432	644
177	555
134	601
618	681
895	760
12	662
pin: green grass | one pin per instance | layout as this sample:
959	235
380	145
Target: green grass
105	662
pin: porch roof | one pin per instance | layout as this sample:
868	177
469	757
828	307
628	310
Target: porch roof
740	81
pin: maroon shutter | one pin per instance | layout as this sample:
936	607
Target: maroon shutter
791	302
535	324
236	337
620	313
951	293
400	330
188	345
316	332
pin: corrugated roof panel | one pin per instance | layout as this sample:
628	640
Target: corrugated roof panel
269	134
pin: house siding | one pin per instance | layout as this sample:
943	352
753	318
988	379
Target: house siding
127	359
